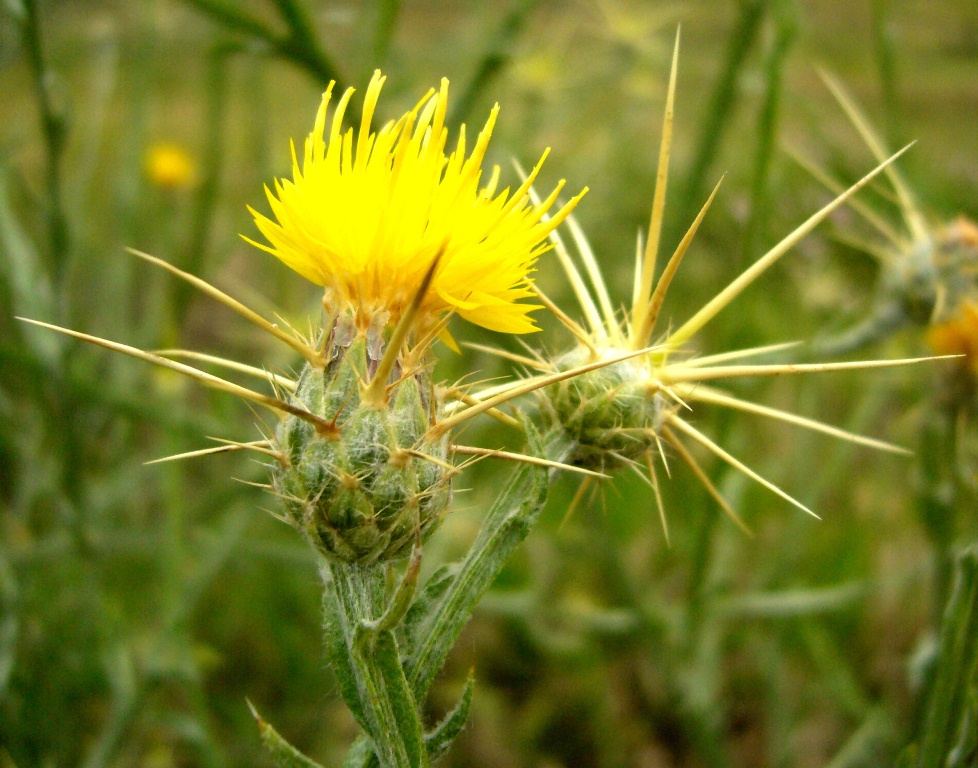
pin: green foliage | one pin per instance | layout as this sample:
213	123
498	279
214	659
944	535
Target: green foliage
141	606
950	735
283	753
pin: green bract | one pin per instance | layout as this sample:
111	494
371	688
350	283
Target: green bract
364	491
612	413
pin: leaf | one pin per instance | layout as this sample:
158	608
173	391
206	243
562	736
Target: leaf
361	755
509	521
283	753
385	655
9	622
433	589
957	667
336	651
441	738
30	289
795	602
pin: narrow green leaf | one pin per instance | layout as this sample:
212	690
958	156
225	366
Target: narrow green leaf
957	666
338	656
441	738
795	602
283	753
386	657
964	754
361	755
433	589
22	270
9	621
507	524
875	736
400	602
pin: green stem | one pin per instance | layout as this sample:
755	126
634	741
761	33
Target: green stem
385	23
302	47
209	192
54	128
885	49
938	494
231	16
449	597
497	55
722	103
786	29
886	318
956	680
299	45
371	672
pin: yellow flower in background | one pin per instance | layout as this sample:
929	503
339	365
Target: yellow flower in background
169	166
957	336
367	213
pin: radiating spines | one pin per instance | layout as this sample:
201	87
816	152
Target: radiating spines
612	413
637	411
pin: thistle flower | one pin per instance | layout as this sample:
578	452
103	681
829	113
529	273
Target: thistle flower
367	213
621	396
401	237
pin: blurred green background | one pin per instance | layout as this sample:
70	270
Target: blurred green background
141	605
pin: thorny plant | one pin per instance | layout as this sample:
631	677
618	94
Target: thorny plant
402	237
627	413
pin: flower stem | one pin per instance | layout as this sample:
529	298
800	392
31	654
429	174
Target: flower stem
450	595
367	663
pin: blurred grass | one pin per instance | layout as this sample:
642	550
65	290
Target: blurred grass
140	606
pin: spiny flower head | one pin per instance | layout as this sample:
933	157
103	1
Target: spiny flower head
401	236
366	213
621	397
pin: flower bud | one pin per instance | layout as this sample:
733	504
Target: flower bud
368	488
612	413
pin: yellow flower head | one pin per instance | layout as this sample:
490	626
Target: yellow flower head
169	166
366	214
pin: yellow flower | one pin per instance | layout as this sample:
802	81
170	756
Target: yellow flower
367	213
170	166
957	336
